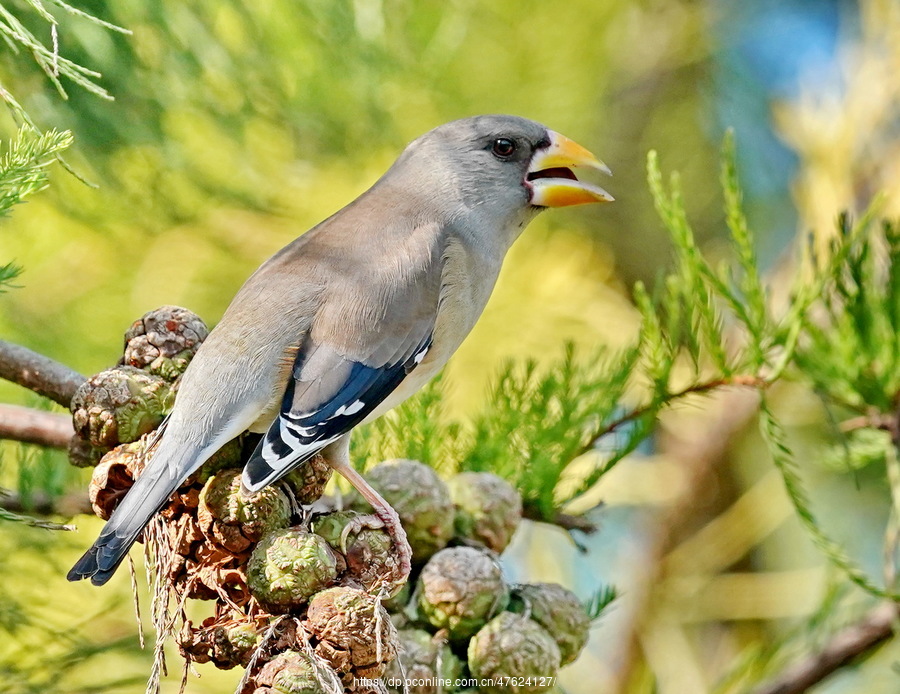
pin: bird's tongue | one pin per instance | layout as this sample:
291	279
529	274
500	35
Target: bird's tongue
554	172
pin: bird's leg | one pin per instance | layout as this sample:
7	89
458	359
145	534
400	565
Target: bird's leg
384	516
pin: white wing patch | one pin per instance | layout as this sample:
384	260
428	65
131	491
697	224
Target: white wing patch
347	410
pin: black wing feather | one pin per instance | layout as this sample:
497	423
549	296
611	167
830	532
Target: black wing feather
295	437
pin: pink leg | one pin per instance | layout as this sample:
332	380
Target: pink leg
338	457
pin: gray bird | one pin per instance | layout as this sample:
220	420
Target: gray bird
356	315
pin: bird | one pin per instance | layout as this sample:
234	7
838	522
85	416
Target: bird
355	315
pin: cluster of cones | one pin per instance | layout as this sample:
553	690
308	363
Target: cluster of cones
298	587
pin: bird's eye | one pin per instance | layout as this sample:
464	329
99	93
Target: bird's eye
503	147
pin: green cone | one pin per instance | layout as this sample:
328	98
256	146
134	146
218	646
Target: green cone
421	499
488	508
559	611
423	660
369	553
289	673
511	645
459	589
120	405
354	632
164	341
288	566
233	521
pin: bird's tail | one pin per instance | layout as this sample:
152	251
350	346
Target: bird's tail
148	495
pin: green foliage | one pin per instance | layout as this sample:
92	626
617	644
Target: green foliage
535	422
860	449
17	36
8	274
774	435
23	170
36	474
598	604
851	353
417	430
764	346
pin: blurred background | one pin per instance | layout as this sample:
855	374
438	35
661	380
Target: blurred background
237	126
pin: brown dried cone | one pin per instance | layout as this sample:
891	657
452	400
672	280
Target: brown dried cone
459	589
368	553
83	454
424	658
308	481
488	508
421	499
114	476
164	341
233	521
119	405
198	567
227	642
289	673
513	646
559	611
288	566
354	632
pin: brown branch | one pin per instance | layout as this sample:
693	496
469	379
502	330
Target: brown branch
875	420
36	372
698	388
35	426
876	627
699	454
565	521
41	504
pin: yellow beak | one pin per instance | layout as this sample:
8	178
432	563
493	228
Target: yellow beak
551	181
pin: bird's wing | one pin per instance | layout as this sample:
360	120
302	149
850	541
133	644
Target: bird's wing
373	328
328	395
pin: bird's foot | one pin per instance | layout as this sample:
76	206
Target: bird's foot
383	516
358	523
386	518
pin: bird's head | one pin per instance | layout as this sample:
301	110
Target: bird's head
505	163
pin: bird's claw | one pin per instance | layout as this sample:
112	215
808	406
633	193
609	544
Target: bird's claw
388	520
359	523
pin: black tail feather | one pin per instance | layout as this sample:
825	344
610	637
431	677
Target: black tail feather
100	562
149	494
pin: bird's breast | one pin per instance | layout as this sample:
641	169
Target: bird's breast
467	280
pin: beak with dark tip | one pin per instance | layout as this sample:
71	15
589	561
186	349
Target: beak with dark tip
552	183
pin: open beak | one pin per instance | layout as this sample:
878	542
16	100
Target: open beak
550	179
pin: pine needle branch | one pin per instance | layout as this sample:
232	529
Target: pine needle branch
783	458
598	605
49	60
744	380
755	317
11	517
23	167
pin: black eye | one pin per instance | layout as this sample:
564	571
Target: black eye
503	147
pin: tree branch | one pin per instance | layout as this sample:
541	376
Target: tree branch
36	372
876	420
566	521
877	626
41	504
745	380
35	426
699	453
